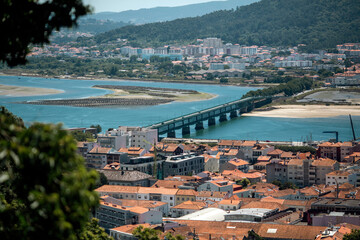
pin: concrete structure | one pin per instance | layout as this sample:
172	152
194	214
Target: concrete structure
157	194
206	214
143	164
127	178
302	172
183	165
335	218
218	186
213	42
139	136
97	157
184	195
209	114
112	215
113	139
186	207
84	147
340	177
250	214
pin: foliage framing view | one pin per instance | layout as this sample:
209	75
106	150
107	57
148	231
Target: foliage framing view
45	189
25	22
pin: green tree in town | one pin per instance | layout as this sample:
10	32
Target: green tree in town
224	80
81	136
45	190
245	182
354	235
26	22
102	180
98	128
170	236
93	231
142	233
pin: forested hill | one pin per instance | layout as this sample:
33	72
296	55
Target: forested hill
317	23
161	14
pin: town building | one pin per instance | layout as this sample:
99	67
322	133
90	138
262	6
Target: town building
98	157
127	178
183	165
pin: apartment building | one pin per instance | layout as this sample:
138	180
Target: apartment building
340	177
84	147
157	194
302	172
97	157
183	165
217	186
337	151
112	215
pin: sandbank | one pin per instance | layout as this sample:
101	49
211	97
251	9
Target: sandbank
19	91
307	111
174	96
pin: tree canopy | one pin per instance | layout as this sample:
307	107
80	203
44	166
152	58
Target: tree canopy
45	190
355	234
318	24
26	22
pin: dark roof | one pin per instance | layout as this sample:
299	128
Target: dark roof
129	176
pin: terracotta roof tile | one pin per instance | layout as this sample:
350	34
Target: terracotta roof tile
117	188
101	150
172	184
194	205
165	191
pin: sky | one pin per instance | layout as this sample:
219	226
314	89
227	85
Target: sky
123	5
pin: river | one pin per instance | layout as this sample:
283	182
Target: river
253	128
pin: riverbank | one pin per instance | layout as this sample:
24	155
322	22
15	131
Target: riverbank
201	82
19	91
306	111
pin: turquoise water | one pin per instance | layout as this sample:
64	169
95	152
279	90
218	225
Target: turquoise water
257	128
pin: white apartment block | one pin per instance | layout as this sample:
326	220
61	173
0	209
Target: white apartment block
139	136
293	63
213	42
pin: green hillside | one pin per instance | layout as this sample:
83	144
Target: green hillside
317	23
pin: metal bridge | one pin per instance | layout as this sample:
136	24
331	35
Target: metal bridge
235	108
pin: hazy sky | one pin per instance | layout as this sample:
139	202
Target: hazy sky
122	5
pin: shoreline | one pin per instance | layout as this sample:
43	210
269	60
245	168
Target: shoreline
24	74
306	111
22	91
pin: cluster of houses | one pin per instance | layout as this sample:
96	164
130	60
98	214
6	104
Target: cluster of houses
217	59
184	188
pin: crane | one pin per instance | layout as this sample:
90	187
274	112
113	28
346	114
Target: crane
336	134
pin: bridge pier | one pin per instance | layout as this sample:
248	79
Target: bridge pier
199	126
223	118
243	110
233	114
211	122
186	130
250	108
171	134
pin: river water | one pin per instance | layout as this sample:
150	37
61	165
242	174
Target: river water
254	128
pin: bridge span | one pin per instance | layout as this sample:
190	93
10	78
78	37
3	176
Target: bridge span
235	108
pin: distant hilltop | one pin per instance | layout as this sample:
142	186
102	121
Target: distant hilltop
318	24
161	14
